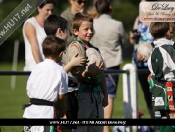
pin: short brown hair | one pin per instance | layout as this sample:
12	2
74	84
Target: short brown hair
159	29
79	18
53	22
52	46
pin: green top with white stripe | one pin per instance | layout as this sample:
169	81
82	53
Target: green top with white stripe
86	82
162	61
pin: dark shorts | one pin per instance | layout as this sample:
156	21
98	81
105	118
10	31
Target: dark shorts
109	83
165	113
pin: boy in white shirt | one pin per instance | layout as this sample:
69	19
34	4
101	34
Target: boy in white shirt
47	82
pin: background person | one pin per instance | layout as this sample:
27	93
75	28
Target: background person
140	33
109	37
76	6
92	11
34	34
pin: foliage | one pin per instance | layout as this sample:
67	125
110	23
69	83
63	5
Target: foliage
123	10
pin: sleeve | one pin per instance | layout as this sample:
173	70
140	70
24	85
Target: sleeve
123	38
63	83
169	58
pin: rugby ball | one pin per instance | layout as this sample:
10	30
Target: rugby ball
93	56
73	48
145	49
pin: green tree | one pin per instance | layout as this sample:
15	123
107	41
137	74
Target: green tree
122	10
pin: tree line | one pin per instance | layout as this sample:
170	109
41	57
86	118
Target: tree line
122	10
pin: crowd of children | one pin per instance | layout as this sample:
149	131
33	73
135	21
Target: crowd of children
53	95
45	87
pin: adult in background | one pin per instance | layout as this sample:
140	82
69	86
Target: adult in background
92	11
141	33
34	34
109	36
76	6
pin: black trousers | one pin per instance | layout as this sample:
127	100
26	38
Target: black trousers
165	113
145	88
71	107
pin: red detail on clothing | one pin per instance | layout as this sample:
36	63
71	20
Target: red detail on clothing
169	93
171	103
149	76
172	111
170	84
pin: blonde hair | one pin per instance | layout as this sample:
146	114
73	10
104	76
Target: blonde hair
92	12
145	49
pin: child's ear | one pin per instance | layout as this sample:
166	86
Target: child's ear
168	34
75	32
58	33
60	55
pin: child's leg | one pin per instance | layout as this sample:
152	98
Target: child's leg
97	113
86	106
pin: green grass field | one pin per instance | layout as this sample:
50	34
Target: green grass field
11	100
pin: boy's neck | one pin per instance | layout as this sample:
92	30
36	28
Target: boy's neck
161	38
50	58
81	41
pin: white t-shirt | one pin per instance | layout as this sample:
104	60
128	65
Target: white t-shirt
40	35
47	80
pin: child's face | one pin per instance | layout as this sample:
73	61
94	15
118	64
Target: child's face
171	33
85	31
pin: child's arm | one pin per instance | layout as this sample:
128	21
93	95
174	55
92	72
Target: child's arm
62	105
104	91
93	69
140	57
75	61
